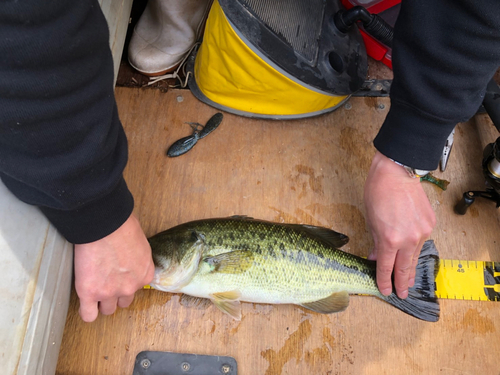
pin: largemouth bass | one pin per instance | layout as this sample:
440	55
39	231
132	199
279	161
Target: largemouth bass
241	259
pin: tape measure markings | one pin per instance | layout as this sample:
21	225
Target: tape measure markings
468	280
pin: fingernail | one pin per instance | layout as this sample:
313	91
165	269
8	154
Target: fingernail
385	292
403	294
411	282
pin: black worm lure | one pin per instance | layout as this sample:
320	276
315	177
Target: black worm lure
211	125
185	144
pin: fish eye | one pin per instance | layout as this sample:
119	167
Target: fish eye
197	236
194	236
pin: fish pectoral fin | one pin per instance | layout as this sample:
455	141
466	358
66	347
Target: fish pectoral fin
196	302
335	302
228	302
234	262
329	236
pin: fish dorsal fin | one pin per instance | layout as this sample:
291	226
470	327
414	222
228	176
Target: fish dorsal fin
228	302
235	262
335	302
196	302
241	217
329	236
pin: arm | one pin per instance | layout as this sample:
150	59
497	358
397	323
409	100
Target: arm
62	146
444	53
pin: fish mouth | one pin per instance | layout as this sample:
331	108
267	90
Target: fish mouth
165	281
164	288
157	280
159	287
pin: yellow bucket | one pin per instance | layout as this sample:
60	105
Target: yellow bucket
234	76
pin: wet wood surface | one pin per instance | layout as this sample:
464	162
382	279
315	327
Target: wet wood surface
304	171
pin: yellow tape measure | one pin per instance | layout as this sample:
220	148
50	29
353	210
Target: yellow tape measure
468	280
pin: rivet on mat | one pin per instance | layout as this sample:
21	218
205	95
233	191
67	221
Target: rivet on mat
145	363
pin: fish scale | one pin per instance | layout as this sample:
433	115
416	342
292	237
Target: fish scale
288	259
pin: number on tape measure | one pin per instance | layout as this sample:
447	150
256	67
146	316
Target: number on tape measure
468	280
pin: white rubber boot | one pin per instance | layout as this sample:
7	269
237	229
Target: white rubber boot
165	33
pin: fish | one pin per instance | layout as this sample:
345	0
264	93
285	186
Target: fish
185	144
241	259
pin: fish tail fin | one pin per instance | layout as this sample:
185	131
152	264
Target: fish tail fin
422	302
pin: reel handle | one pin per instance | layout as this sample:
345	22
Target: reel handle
463	205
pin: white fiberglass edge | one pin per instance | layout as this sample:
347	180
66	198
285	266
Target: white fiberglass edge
36	261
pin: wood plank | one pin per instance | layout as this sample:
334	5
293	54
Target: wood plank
304	171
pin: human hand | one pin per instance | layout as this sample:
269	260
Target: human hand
400	218
109	271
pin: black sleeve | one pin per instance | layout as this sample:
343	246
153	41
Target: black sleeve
444	54
62	146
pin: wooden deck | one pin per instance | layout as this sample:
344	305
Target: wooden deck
304	171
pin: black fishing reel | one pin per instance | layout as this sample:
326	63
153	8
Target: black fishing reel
491	156
491	172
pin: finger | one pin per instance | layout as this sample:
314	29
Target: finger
385	265
402	270
88	310
373	252
125	301
108	306
413	271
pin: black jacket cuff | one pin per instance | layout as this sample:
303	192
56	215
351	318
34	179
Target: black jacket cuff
95	220
413	138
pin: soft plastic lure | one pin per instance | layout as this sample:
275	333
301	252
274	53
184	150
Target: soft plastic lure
185	144
442	184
